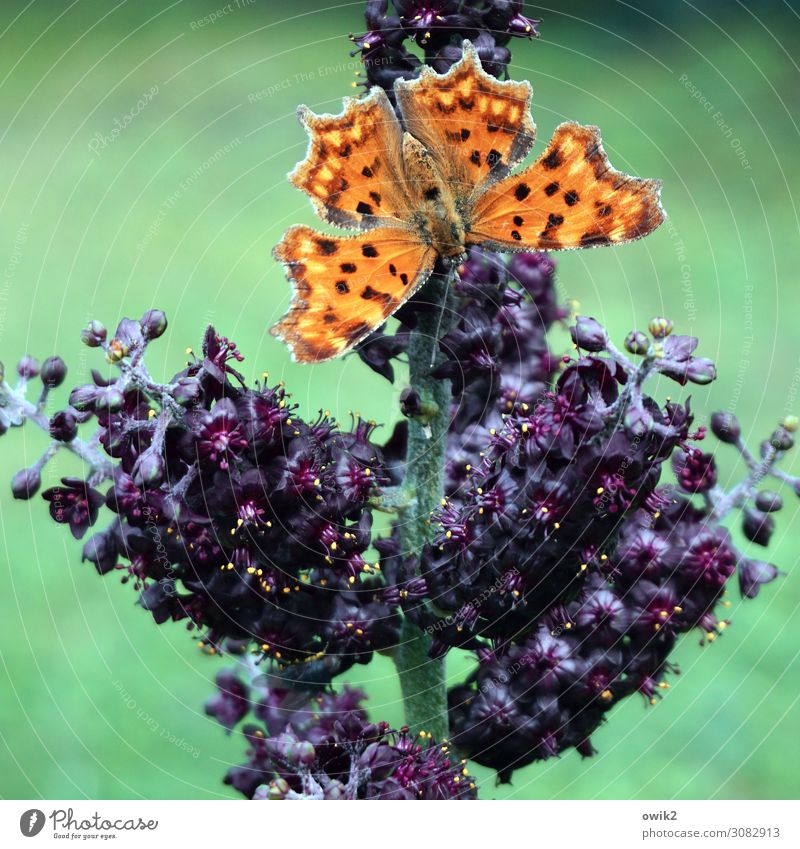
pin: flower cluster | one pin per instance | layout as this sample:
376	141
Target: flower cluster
439	27
534	698
559	559
321	746
227	509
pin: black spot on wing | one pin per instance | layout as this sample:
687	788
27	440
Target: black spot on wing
341	287
552	160
550	189
364	208
369	250
522	191
348	267
571	197
594	238
327	247
367	171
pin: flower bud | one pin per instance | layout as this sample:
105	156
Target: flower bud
701	371
754	573
109	399
725	427
117	351
660	327
63	426
149	469
278	789
791	423
53	372
186	391
589	334
768	501
83	398
28	367
637	343
781	439
101	549
25	483
410	402
154	323
94	334
757	526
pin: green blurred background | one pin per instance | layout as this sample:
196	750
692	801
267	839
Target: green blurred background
180	209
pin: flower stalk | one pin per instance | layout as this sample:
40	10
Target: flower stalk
422	679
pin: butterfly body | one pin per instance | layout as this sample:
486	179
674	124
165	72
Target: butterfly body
432	184
437	218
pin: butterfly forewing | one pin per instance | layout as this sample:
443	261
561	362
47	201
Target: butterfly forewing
351	170
346	287
570	197
475	126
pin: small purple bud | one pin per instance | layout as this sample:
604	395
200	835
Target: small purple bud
53	372
781	439
637	343
28	367
63	426
757	526
110	399
769	501
589	334
186	391
149	469
101	549
94	334
754	573
701	371
410	402
725	427
83	398
154	323
25	483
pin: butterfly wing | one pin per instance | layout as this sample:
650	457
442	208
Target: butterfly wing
350	170
570	197
346	287
475	126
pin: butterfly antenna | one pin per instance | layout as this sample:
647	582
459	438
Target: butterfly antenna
452	274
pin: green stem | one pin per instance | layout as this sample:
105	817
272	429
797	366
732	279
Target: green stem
422	680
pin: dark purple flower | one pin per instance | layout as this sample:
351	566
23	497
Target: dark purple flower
74	503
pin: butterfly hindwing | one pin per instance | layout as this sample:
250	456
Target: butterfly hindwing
346	287
476	126
350	171
570	197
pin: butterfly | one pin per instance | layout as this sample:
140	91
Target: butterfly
432	186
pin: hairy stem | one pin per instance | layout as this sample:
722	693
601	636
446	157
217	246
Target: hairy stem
422	680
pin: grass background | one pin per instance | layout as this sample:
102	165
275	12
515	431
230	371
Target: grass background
180	211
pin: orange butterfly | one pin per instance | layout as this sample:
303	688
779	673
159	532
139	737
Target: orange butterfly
432	191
